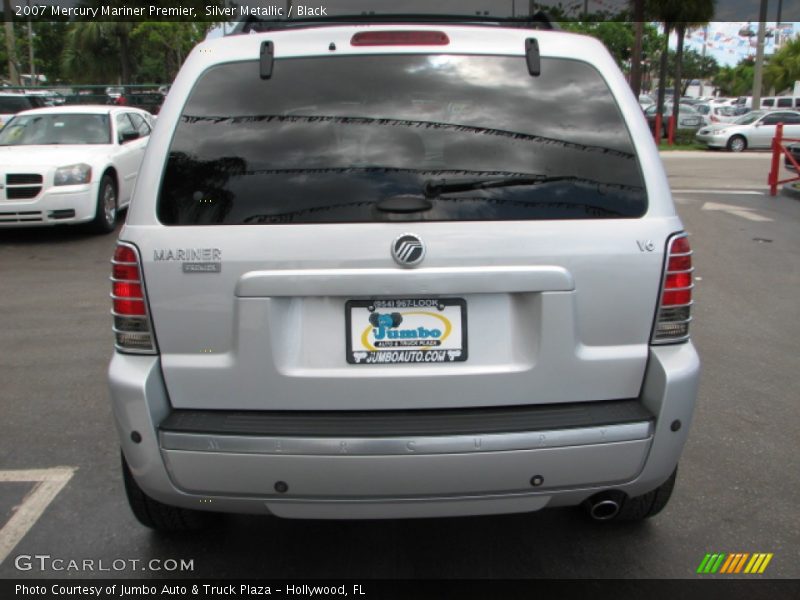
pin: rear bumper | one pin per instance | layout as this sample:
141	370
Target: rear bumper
341	474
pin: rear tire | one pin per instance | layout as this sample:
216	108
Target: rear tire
649	504
156	515
105	216
737	144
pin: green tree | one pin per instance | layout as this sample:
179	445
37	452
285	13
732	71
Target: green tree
736	81
49	39
783	68
616	35
695	66
619	37
92	53
11	47
162	46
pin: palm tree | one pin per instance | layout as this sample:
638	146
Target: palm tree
678	15
90	53
117	34
783	69
98	51
11	46
665	11
637	8
696	13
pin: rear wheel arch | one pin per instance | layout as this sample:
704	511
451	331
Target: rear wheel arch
110	170
107	203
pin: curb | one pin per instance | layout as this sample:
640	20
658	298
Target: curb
791	189
754	154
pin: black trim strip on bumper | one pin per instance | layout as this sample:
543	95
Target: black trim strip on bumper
383	423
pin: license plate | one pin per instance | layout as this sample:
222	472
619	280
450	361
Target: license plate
406	330
692	121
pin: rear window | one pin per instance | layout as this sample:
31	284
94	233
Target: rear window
400	138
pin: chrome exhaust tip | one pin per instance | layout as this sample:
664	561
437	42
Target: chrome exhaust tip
604	509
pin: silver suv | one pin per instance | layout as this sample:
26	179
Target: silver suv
379	270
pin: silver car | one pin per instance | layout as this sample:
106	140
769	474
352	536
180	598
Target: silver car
756	129
401	270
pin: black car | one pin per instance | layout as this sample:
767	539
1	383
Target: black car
794	149
688	119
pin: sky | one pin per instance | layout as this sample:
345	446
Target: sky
727	43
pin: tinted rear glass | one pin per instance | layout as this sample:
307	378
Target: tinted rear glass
366	138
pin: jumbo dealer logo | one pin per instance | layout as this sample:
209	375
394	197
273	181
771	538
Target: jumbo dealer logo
410	330
427	329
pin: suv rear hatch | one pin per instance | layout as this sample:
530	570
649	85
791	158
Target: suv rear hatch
271	277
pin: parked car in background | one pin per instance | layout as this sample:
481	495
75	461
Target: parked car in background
688	118
114	92
753	130
149	101
645	101
74	164
11	103
704	110
726	114
715	113
770	102
46	97
794	149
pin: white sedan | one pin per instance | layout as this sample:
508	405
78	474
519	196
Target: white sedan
753	130
70	164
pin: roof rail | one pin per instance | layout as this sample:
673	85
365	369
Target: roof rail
251	24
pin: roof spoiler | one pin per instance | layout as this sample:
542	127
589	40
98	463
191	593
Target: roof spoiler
251	24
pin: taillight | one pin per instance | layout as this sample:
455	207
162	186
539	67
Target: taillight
674	306
132	327
400	38
714	119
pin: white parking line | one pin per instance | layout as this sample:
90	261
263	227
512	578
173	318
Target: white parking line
740	211
49	483
720	192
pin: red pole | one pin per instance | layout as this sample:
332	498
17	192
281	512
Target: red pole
657	131
671	130
777	149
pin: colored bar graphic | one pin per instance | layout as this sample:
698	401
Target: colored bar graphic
705	561
718	562
712	559
754	563
727	564
766	562
740	564
731	564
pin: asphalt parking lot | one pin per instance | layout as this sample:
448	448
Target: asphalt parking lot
738	481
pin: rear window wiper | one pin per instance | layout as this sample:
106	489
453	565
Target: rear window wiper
436	187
